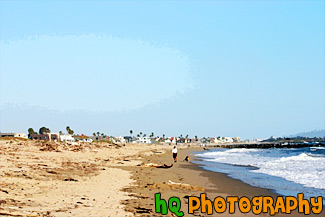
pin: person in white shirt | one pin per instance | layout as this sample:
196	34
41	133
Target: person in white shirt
174	151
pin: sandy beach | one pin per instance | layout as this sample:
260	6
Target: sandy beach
49	179
102	179
194	181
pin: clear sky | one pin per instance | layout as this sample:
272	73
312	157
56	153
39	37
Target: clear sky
209	68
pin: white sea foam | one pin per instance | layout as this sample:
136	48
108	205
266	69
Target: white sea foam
305	169
322	148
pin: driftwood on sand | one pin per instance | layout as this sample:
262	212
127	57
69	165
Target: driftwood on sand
165	166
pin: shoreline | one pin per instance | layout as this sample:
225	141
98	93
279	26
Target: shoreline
56	179
149	181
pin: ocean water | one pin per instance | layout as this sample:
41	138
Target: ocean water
287	171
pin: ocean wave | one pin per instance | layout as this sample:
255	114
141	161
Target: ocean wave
320	148
305	168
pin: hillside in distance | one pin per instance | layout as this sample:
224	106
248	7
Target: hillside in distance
310	134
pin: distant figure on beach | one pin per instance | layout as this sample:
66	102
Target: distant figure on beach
187	159
174	151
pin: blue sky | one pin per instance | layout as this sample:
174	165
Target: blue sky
208	68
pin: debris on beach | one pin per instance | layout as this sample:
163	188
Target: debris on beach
17	214
175	186
155	165
71	180
143	210
43	178
49	147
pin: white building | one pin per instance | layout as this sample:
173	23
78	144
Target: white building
223	140
17	135
21	135
217	140
170	140
145	140
121	139
227	139
86	140
66	138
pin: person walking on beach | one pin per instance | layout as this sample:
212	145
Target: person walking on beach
174	151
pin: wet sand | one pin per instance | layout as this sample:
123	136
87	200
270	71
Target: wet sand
196	180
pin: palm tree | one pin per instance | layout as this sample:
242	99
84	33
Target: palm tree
102	134
164	136
181	136
186	136
94	134
195	138
98	134
60	132
30	132
131	131
144	135
140	133
152	134
44	130
68	129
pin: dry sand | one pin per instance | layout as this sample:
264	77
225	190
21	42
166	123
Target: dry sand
101	179
57	179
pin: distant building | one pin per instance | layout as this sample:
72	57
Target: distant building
184	140
17	135
99	138
168	140
119	139
128	139
145	140
87	140
196	140
124	139
82	138
158	139
220	139
46	137
206	140
216	140
66	138
171	140
227	139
